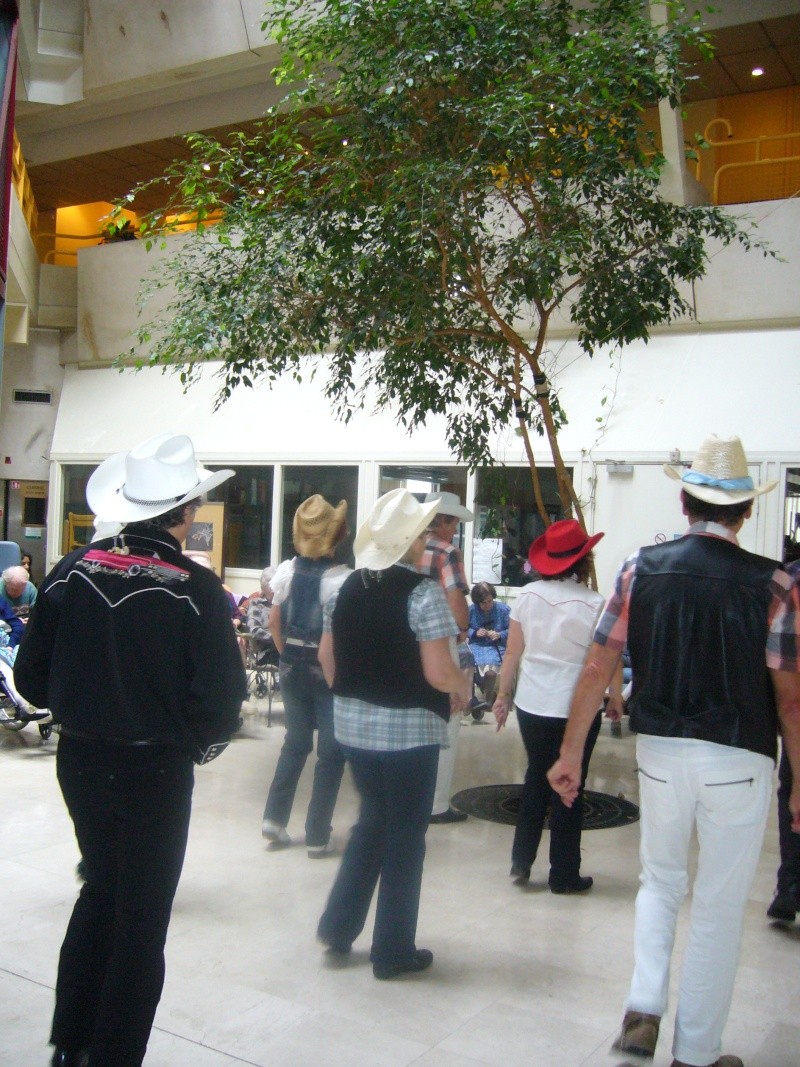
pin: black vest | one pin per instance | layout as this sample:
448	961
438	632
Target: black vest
376	651
697	636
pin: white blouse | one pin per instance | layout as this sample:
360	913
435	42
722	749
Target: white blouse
558	619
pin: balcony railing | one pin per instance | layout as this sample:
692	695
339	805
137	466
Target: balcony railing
761	177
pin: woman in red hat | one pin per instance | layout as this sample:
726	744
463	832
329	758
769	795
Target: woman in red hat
551	628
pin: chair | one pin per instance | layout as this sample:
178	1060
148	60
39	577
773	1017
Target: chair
80	530
10	554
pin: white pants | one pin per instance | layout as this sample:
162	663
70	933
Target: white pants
447	764
725	793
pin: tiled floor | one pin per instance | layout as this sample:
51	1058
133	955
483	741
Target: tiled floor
520	977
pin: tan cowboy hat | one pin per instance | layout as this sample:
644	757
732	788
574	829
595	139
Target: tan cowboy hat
562	544
449	504
719	474
151	479
396	519
317	525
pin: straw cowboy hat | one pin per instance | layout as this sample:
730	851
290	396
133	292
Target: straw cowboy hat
317	526
151	479
449	504
718	474
562	544
396	519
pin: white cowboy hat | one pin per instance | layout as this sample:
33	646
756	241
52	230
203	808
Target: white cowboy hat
396	519
155	477
449	504
718	474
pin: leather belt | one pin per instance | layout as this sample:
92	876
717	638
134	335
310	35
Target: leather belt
98	739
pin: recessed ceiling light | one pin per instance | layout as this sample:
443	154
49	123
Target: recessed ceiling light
757	72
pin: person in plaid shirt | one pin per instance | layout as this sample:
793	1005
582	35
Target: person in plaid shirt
442	561
714	637
786	902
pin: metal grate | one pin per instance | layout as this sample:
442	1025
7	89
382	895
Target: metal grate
32	396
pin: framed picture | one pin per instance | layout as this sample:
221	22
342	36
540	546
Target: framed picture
205	536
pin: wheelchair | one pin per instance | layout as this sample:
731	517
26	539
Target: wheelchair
261	664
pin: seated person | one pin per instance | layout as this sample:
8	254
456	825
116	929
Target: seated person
258	608
11	627
487	635
18	589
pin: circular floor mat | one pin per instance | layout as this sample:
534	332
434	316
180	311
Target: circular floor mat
500	803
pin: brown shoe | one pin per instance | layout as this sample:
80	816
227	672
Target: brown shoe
639	1034
723	1061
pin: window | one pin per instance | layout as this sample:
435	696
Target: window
507	520
335	484
75	477
791	524
248	516
34	510
428	479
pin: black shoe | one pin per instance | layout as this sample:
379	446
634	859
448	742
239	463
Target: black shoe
63	1058
577	885
420	961
335	948
451	815
519	875
784	907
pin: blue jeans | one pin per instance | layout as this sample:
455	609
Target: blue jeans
308	706
131	807
387	842
542	737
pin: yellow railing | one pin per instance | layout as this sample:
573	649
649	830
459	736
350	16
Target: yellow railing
784	184
51	253
22	184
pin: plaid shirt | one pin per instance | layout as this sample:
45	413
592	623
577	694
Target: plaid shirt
379	729
443	561
783	637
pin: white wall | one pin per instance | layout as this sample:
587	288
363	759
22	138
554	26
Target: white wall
740	289
26	430
668	396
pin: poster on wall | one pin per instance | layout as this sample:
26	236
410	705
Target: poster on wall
204	539
487	560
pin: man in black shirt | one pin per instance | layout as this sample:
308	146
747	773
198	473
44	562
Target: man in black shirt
130	645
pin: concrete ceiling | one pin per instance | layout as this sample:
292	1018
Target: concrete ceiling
772	44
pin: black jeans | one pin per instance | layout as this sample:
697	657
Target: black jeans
789	870
542	737
130	806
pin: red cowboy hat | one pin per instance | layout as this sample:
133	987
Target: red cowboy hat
561	545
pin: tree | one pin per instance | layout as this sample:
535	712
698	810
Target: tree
442	177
